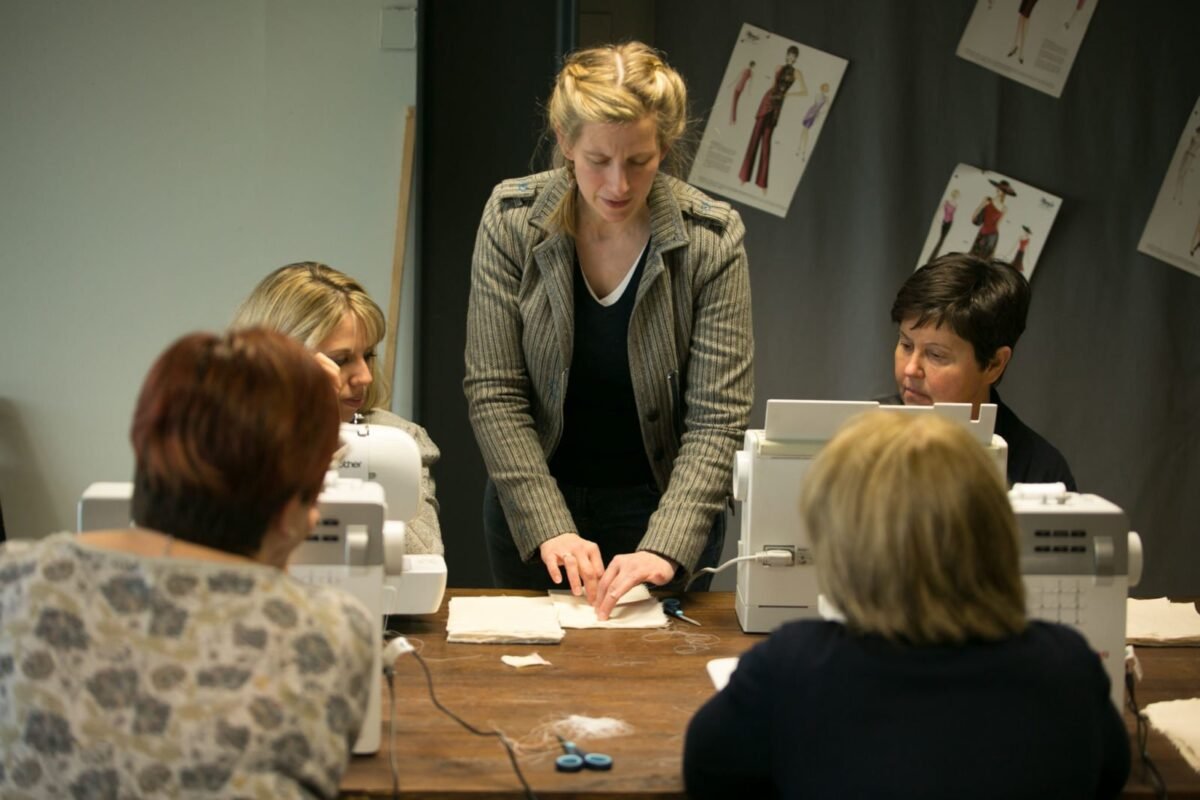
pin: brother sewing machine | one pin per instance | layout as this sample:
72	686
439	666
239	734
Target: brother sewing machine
358	542
767	476
1078	557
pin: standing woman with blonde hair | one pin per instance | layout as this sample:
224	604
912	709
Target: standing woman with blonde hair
609	344
936	685
333	316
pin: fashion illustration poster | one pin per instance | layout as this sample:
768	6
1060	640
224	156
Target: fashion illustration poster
765	122
1033	42
1173	231
993	216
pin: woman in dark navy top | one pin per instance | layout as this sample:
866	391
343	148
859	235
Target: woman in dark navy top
936	686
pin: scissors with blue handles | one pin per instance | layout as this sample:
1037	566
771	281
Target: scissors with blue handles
574	759
672	608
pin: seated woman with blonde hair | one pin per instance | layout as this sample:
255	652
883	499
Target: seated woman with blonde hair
936	685
176	657
333	316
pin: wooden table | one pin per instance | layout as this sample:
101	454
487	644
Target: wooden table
652	682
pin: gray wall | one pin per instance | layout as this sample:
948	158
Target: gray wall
158	157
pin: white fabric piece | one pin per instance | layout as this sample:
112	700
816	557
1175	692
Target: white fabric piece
1179	720
531	660
719	670
503	620
636	609
1161	622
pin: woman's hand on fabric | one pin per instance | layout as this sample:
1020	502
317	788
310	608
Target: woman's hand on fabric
627	571
579	558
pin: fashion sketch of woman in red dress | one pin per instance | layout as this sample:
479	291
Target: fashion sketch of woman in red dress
768	117
746	76
1018	260
987	216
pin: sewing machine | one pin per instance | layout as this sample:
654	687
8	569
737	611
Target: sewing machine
767	475
1078	560
413	583
357	544
1078	556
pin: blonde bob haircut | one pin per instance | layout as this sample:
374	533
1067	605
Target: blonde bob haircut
616	83
306	301
913	535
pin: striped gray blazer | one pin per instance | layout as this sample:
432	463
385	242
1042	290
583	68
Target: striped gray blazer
691	352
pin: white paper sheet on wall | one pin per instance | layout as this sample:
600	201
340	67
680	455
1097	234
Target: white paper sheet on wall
1173	231
766	119
1033	42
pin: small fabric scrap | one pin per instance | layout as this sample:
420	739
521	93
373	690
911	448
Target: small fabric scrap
636	609
720	670
531	660
1179	720
1161	622
503	620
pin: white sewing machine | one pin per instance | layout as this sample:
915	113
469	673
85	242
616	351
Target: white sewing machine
1078	556
354	546
767	475
413	583
1078	559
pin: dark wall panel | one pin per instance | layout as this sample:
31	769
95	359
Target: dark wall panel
1109	367
484	69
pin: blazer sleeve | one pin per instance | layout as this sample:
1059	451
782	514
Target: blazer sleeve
717	397
498	387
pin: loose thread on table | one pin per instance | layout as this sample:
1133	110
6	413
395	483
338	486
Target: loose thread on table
574	727
688	642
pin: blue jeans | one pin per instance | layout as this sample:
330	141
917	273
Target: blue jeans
615	518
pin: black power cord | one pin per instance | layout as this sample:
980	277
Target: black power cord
390	672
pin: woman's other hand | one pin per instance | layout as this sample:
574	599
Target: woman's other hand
627	571
578	557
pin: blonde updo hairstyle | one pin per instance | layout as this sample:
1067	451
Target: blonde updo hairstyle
616	83
307	301
913	535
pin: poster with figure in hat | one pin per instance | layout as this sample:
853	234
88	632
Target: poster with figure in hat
1033	42
1173	231
993	216
764	125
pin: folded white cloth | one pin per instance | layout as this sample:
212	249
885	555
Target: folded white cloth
1179	720
1161	622
636	609
503	619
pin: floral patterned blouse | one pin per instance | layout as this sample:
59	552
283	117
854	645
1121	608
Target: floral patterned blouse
123	676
